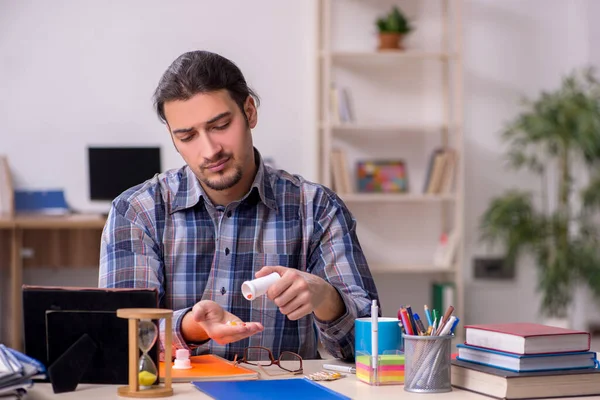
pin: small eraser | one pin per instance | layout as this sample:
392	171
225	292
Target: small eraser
257	287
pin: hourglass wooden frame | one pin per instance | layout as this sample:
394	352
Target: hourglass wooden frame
134	315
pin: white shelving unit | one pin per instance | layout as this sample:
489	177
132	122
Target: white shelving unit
378	131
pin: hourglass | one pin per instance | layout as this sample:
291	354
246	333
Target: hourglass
143	334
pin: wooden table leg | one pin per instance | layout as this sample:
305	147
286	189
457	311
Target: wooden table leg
16	275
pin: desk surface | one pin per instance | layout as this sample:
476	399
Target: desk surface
348	386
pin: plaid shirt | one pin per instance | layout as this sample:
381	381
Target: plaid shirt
166	234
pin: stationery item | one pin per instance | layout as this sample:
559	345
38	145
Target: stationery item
522	363
446	316
390	335
456	321
427	363
428	315
527	338
290	389
406	322
259	286
411	320
340	368
374	337
436	318
390	372
419	323
504	384
209	367
447	326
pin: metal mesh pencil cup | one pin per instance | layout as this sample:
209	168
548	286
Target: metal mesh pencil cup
427	363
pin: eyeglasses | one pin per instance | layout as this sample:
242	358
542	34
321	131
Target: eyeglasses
263	357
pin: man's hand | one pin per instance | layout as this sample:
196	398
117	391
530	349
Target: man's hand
299	293
208	320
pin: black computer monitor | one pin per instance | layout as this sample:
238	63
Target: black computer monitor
76	334
112	170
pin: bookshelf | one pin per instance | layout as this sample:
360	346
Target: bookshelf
398	105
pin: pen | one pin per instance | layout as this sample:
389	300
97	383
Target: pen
411	319
419	323
340	368
428	315
406	323
374	340
454	325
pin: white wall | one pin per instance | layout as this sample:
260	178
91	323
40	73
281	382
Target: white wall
79	73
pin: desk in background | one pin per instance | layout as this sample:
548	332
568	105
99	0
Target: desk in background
55	241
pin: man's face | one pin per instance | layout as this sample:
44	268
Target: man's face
212	135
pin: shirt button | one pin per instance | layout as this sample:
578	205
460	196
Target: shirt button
229	214
226	251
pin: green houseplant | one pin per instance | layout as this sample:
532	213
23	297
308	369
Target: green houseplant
392	29
557	136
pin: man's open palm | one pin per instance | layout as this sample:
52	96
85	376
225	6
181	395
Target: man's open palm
213	320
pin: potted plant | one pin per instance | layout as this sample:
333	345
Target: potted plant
556	136
392	29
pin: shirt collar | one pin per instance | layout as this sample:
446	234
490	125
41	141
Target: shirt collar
190	191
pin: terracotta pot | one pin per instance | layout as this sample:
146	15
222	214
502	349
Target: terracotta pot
390	41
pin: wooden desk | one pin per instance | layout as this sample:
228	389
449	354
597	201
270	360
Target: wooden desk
348	386
56	241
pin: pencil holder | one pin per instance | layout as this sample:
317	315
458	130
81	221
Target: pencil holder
427	363
390	369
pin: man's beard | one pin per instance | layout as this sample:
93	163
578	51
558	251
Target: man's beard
224	182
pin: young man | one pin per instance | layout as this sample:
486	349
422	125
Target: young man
197	233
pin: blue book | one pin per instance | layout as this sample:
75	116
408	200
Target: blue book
526	363
276	389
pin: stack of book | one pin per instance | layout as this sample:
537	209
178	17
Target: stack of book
526	360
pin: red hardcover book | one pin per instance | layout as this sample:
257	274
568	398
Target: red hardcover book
527	338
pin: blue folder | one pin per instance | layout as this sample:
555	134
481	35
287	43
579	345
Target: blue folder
288	389
41	201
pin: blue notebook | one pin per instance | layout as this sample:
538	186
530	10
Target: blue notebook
288	389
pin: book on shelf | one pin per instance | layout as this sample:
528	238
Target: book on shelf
527	338
340	172
441	172
526	363
342	111
505	384
209	367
